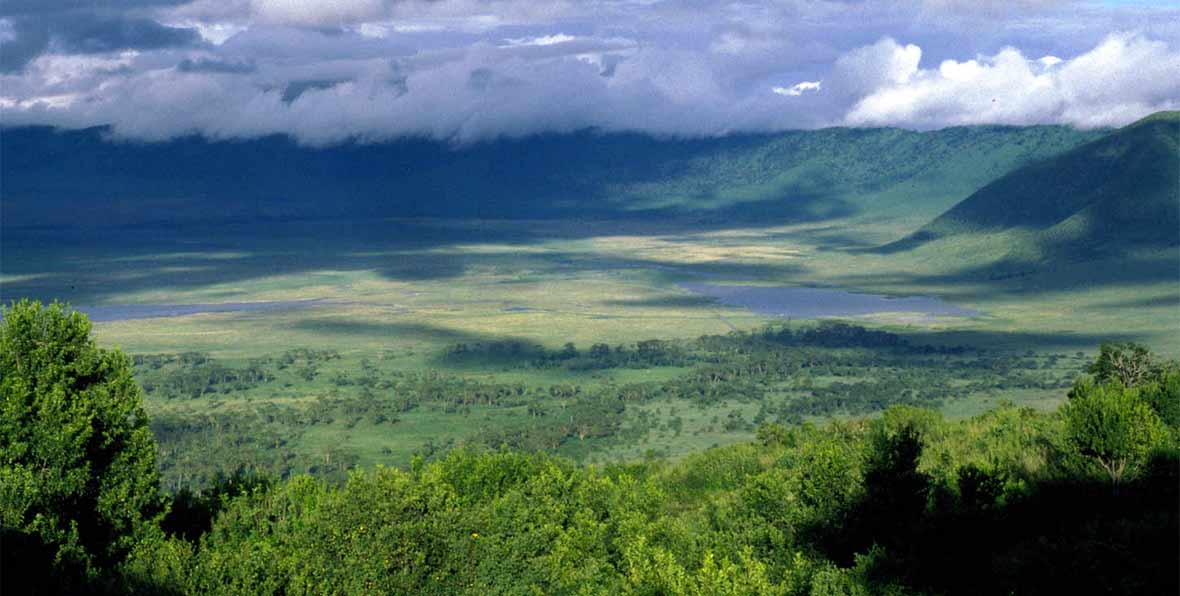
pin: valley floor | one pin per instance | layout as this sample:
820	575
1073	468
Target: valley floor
397	298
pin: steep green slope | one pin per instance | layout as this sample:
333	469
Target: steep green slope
1118	193
80	178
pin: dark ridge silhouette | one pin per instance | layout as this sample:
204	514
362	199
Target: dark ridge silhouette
83	178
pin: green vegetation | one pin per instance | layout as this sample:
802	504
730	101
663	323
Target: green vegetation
221	402
1074	207
593	403
78	484
1114	427
790	176
1086	198
1008	501
592	250
538	404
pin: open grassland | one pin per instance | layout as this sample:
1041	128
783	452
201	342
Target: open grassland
1133	297
391	300
408	285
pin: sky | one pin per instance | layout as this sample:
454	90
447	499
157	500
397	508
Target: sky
331	71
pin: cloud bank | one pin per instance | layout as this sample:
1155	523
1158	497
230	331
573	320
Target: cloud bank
1124	78
467	70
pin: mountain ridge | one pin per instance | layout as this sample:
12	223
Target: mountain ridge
1113	193
77	178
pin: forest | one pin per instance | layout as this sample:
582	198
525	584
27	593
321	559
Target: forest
1082	499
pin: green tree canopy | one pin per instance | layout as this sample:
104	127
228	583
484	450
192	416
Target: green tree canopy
1112	426
77	460
1128	363
1163	394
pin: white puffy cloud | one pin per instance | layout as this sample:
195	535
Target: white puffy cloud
871	67
1049	61
798	88
1124	78
543	40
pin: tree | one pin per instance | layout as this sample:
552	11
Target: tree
895	490
568	351
1113	427
77	460
1163	394
810	494
1127	363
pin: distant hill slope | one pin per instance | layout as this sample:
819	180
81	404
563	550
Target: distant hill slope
1117	193
78	178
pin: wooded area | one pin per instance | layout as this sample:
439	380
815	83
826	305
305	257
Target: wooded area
1082	500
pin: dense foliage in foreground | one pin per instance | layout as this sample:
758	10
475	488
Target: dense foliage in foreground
1083	500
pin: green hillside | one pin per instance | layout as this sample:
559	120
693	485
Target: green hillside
83	178
1118	193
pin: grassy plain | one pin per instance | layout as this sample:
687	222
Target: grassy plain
399	293
414	285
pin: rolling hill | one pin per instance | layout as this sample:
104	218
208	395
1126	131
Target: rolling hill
1116	194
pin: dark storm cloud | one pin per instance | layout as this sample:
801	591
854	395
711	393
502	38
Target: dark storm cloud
296	88
35	28
47	7
93	35
22	43
216	66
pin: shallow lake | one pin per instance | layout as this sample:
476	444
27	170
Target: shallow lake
801	302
